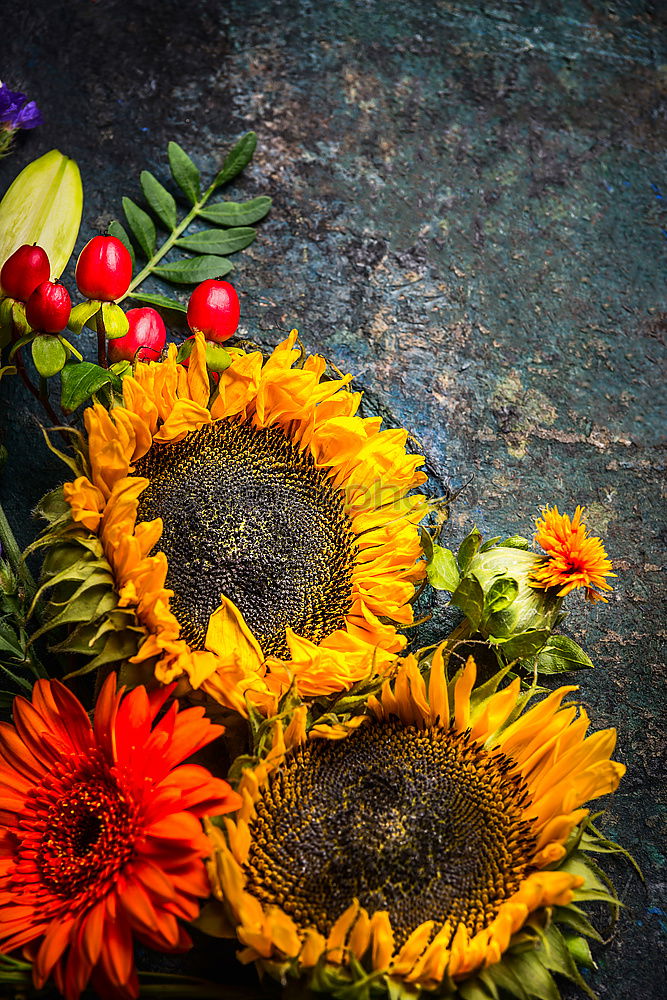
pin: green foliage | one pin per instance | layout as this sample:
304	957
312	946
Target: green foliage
159	199
237	159
19	664
80	381
184	172
48	354
160	302
490	583
43	206
442	569
209	247
233	213
141	226
194	270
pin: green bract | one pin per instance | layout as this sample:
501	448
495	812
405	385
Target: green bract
43	206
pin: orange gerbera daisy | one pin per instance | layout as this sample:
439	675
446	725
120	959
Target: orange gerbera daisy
576	559
100	838
261	536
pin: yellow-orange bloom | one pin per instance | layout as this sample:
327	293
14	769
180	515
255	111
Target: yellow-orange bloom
419	839
262	536
575	558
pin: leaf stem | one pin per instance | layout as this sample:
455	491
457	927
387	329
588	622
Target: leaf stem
169	242
40	395
11	549
102	359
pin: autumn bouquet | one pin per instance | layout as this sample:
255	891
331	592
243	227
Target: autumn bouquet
219	725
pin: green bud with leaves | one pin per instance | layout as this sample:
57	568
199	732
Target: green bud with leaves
491	584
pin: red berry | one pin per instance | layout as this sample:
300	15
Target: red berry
48	307
214	310
24	270
104	269
147	335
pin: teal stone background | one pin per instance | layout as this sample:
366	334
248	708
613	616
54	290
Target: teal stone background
470	215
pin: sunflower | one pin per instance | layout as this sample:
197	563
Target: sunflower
576	559
419	846
99	845
262	536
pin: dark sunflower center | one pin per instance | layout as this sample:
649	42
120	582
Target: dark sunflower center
87	833
422	823
247	514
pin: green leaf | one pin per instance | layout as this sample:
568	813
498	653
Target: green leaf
185	349
194	270
116	323
524	643
532	974
489	543
217	358
236	213
468	549
160	302
43	205
469	597
142	226
48	354
184	172
81	313
115	229
160	200
81	381
571	916
472	989
500	595
70	348
580	950
218	240
443	573
237	159
515	542
562	654
21	324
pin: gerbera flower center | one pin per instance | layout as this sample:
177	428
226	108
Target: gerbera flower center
247	514
82	829
423	823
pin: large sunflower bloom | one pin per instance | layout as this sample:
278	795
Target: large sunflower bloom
261	535
100	839
416	845
575	558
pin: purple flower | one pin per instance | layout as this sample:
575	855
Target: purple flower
16	112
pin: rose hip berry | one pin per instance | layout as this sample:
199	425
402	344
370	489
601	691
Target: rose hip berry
214	310
24	270
104	269
48	307
147	335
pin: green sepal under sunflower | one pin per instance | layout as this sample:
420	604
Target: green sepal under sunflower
82	601
490	582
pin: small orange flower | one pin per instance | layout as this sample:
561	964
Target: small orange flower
100	837
576	559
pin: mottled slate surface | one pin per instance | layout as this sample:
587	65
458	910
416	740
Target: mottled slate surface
470	216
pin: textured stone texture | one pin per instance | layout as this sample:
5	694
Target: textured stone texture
469	214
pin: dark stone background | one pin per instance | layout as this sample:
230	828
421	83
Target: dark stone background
469	214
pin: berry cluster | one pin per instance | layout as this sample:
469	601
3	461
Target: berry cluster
103	275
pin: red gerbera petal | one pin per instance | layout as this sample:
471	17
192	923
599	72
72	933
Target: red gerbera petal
100	838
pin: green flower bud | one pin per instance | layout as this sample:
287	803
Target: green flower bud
512	606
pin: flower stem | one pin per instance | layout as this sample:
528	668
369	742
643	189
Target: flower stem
13	553
41	394
168	243
102	359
